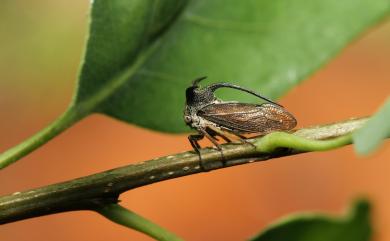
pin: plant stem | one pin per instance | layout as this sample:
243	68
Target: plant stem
103	188
281	139
59	125
127	218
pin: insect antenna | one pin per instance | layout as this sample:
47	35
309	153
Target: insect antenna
216	86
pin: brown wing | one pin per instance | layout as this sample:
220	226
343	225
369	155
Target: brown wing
249	118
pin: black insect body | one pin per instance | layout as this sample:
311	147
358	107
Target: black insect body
212	117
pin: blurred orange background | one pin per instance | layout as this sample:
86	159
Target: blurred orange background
40	47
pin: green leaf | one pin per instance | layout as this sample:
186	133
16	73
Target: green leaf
315	227
142	54
119	29
377	128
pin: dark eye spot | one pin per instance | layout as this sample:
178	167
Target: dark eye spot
187	119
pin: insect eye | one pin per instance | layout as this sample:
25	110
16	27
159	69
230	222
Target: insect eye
187	119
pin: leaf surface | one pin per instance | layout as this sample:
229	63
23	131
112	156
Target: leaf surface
315	227
142	54
377	128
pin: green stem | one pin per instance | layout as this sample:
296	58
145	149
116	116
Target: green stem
59	125
127	218
275	140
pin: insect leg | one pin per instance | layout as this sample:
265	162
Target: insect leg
217	145
194	142
239	135
212	139
232	135
215	132
243	139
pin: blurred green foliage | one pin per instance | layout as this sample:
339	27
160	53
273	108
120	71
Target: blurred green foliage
314	227
40	44
377	128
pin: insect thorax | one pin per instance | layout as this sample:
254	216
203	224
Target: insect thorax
195	121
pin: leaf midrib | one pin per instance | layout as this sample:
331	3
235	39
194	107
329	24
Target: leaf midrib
90	105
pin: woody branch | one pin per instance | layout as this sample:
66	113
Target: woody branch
94	191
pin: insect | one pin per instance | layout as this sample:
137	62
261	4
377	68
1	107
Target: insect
213	118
